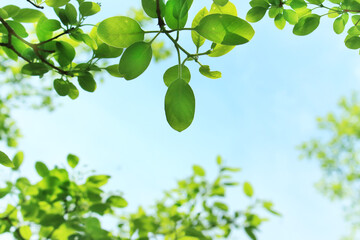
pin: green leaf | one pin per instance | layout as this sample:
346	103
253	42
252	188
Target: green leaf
198	170
334	12
179	105
352	42
306	25
52	220
339	25
225	29
100	208
181	8
11	10
41	169
98	180
18	159
73	91
280	21
172	74
56	3
61	87
16	26
34	69
196	38
89	8
5	160
117	201
205	70
219	160
220	50
274	11
65	53
72	160
295	4
259	3
221	206
229	8
290	16
113	70
221	2
255	14
248	190
71	13
87	82
51	25
120	32
135	60
106	51
317	2
250	233
150	7
170	19
28	15
25	232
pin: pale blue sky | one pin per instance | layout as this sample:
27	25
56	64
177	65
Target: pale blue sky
272	90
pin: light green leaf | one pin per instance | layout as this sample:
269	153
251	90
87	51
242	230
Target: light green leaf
198	170
290	16
306	25
18	159
56	3
339	25
255	14
28	15
179	105
196	38
113	70
172	74
25	232
117	201
205	70
89	8
172	21
41	169
120	32
280	21
225	29
72	160
220	50
248	190
73	91
229	8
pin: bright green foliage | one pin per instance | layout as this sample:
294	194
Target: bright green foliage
306	25
63	206
205	70
197	209
338	155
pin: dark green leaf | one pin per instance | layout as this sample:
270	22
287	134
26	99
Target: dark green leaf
172	74
87	82
61	87
306	25
135	60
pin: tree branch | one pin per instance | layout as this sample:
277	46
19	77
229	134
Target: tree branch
35	5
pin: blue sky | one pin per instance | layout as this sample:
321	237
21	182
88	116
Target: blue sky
265	104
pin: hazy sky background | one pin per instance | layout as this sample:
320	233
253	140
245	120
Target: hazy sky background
265	105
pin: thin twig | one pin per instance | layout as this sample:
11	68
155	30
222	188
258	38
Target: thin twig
35	5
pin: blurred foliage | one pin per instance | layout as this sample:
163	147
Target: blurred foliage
338	152
64	204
